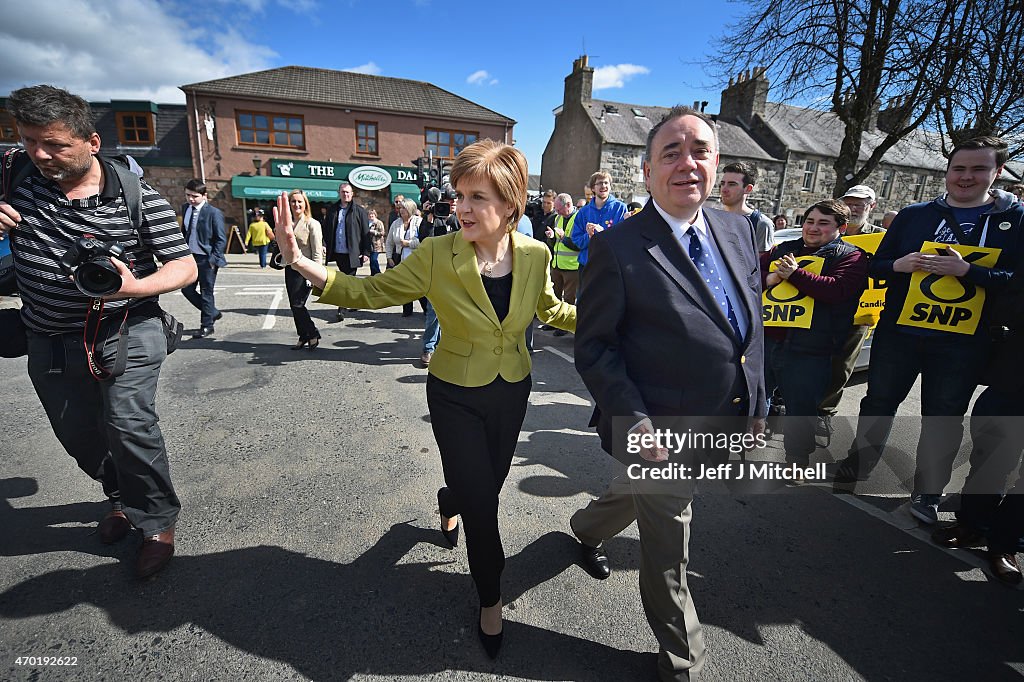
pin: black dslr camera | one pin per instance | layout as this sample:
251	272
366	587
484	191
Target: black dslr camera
88	260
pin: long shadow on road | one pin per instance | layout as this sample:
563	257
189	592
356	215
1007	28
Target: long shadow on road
329	620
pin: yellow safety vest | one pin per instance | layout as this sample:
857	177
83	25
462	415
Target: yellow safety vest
565	258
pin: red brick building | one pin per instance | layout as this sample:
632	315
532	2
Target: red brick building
258	134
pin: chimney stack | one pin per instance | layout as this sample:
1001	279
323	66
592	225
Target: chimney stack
746	95
579	84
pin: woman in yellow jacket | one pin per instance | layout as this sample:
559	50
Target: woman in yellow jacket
486	283
259	235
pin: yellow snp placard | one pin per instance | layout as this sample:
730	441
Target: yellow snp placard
873	299
784	305
946	302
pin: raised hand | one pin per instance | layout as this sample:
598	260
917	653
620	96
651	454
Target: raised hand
285	232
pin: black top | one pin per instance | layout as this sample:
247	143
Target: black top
499	290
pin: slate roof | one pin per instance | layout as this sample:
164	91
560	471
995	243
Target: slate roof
352	90
171	147
811	131
627	128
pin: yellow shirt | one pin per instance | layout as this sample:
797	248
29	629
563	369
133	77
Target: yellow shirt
257	234
475	345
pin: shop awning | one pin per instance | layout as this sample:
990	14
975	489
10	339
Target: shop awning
269	187
407	190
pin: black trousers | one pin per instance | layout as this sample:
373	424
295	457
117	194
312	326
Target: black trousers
298	293
476	431
111	427
341	260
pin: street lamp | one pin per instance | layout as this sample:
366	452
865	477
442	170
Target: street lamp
256	163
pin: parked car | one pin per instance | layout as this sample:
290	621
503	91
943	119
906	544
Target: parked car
790	233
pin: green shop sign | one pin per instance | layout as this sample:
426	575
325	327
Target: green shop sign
361	176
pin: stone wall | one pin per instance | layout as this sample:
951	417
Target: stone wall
904	190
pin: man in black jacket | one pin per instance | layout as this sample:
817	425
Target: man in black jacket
347	233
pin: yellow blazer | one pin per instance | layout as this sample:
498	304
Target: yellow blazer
475	345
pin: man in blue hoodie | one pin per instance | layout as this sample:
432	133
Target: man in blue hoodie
950	364
602	212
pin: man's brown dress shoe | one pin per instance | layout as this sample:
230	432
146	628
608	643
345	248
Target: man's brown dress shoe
113	527
1005	567
156	551
958	535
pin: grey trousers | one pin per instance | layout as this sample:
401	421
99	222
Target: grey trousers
110	427
842	369
662	512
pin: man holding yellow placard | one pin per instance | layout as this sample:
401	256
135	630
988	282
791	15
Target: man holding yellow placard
940	258
860	199
811	289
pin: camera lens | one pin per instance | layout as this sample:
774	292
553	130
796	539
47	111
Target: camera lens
97	278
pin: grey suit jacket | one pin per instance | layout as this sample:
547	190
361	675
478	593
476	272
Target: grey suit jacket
210	230
650	338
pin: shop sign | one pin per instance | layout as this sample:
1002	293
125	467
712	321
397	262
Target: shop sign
369	178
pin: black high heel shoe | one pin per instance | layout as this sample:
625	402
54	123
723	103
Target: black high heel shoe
491	643
313	343
300	344
452	536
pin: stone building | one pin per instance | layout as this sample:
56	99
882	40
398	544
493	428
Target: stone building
155	135
258	134
793	147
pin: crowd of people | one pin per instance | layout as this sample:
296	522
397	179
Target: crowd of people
685	315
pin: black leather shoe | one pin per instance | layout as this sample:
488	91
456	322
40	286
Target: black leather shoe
114	526
595	561
203	331
958	535
1004	567
491	643
219	315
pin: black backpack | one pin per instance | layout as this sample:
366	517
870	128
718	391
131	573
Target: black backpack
17	167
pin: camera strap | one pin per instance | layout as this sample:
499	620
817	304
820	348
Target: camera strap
93	323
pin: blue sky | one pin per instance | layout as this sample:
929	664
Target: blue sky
509	57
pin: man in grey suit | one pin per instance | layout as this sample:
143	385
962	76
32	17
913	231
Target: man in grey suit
204	231
669	332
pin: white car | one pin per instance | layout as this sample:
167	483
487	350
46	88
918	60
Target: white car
791	233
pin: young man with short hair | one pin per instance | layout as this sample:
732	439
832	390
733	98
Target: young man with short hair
603	211
203	226
737	183
950	364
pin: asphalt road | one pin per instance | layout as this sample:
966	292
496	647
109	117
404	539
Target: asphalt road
307	548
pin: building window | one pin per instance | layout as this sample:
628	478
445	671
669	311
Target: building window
366	137
135	128
887	180
920	187
271	130
8	129
810	175
446	144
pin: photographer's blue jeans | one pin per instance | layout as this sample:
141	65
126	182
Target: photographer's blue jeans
802	379
111	427
203	299
375	263
431	330
950	367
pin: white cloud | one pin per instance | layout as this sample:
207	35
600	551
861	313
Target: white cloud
616	75
493	81
370	68
153	51
478	77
